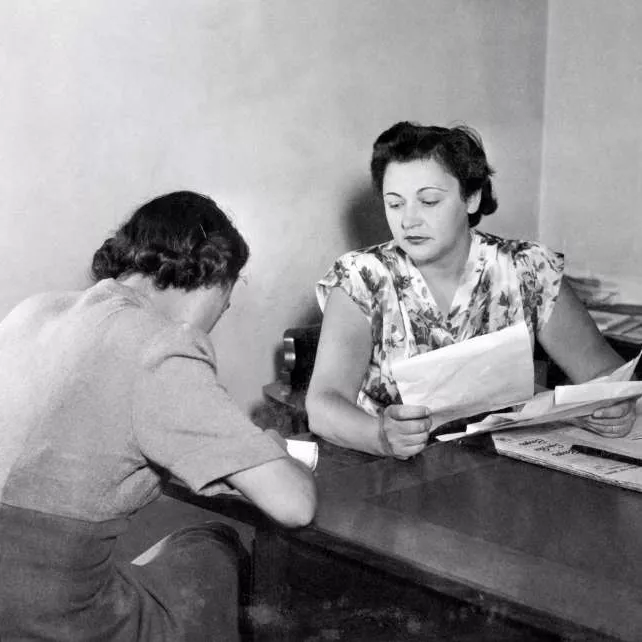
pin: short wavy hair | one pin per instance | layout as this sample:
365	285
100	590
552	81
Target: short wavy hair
459	150
181	240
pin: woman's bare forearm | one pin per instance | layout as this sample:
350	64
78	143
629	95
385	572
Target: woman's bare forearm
341	422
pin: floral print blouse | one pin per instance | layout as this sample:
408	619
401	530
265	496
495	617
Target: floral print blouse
504	283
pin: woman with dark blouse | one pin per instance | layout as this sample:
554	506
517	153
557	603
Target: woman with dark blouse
100	391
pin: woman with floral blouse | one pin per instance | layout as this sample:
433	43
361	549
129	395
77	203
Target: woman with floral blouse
437	282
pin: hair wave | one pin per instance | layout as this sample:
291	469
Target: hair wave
182	240
458	149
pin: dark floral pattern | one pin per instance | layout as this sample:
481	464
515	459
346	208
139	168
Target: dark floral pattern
507	282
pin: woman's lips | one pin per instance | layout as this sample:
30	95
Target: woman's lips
417	240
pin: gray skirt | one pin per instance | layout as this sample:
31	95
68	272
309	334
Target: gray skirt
58	581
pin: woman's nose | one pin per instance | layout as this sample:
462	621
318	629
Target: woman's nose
410	217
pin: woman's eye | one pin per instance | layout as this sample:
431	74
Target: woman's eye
429	203
394	206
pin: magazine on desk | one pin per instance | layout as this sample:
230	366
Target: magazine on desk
556	446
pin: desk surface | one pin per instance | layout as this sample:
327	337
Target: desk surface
559	552
548	548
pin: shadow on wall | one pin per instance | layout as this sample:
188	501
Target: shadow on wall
364	224
365	218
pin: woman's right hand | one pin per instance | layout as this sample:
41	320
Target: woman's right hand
403	430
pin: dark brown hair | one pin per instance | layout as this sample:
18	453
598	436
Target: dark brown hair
459	150
183	240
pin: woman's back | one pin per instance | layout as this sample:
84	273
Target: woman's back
71	470
70	365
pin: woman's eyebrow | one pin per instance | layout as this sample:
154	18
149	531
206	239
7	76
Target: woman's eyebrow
441	189
393	194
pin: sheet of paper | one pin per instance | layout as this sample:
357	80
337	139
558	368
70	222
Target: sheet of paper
307	452
591	392
482	374
565	402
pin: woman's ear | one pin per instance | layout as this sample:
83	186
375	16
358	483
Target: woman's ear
473	201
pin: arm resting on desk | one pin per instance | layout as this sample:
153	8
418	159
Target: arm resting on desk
341	361
283	488
342	358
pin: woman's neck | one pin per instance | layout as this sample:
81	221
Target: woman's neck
450	267
444	277
171	302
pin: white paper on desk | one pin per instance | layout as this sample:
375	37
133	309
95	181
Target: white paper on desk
478	375
307	452
565	402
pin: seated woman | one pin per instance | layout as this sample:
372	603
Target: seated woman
103	389
438	281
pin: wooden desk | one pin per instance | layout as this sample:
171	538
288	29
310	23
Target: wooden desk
557	552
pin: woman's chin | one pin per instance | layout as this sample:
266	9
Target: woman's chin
421	253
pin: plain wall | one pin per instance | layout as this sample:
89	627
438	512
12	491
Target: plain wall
269	107
592	160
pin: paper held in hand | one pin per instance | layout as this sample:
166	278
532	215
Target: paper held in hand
481	374
563	404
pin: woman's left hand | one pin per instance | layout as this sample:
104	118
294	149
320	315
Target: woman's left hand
611	421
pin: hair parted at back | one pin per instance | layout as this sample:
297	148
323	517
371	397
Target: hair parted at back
182	240
459	150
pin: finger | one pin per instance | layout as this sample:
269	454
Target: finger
620	429
610	433
414	439
409	451
614	411
405	413
413	427
611	421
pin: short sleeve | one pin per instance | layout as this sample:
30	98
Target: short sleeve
357	276
185	421
540	271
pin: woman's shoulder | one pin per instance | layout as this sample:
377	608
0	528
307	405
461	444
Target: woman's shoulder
173	340
39	309
364	274
371	265
521	251
135	321
377	257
